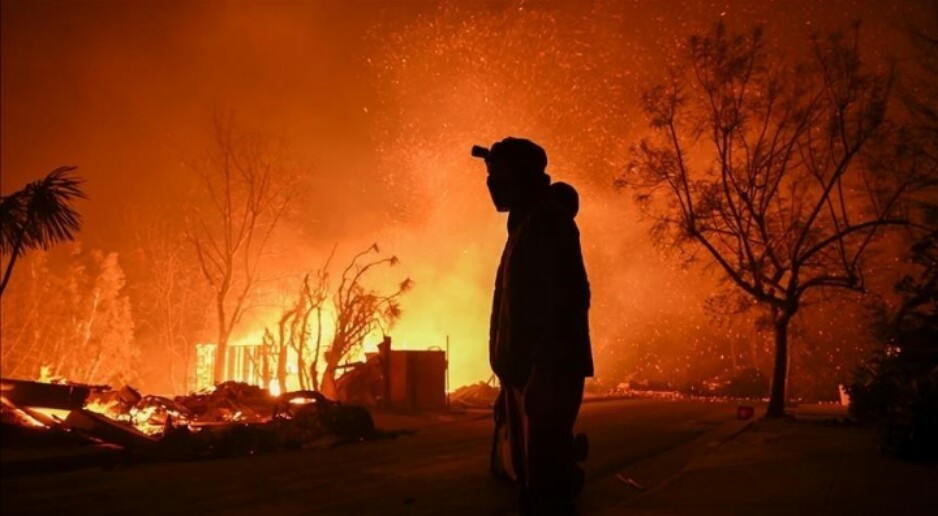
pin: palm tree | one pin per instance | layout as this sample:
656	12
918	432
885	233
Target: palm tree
39	216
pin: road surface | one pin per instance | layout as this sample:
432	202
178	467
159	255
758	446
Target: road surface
439	469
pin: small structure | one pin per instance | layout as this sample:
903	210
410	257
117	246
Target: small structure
417	379
396	379
390	378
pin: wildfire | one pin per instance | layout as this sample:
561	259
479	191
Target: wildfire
20	415
53	414
274	387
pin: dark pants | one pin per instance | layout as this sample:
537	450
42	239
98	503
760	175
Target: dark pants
540	419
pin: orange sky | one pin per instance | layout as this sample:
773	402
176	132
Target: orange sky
380	102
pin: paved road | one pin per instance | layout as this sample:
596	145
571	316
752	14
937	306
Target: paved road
441	469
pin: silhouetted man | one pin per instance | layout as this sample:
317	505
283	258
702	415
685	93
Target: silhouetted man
539	343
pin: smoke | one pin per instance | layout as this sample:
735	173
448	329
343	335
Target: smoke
380	104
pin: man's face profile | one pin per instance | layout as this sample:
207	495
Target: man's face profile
501	183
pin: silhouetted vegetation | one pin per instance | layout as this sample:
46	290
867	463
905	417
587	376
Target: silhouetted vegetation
898	389
39	216
245	192
294	331
783	174
168	300
71	321
358	310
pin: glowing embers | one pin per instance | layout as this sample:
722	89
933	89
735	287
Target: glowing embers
57	415
274	387
11	414
154	414
230	419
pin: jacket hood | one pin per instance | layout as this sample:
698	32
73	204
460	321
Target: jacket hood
566	196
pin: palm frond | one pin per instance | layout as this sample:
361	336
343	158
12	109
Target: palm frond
41	214
12	218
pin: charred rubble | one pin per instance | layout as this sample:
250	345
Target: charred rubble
65	426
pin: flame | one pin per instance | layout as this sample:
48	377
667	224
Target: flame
55	414
153	420
274	387
20	415
109	409
46	376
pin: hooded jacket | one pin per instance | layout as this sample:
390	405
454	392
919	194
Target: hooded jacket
541	302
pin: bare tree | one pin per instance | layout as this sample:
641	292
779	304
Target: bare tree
312	299
39	216
761	165
282	345
74	321
294	331
321	294
103	349
25	309
245	189
358	311
169	305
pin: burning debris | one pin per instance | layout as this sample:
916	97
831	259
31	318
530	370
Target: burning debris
226	402
230	419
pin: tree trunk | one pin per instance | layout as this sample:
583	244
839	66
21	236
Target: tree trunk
313	376
282	366
17	249
9	269
778	395
301	371
327	387
221	359
314	367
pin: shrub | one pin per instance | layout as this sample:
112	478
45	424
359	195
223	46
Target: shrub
897	391
901	402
